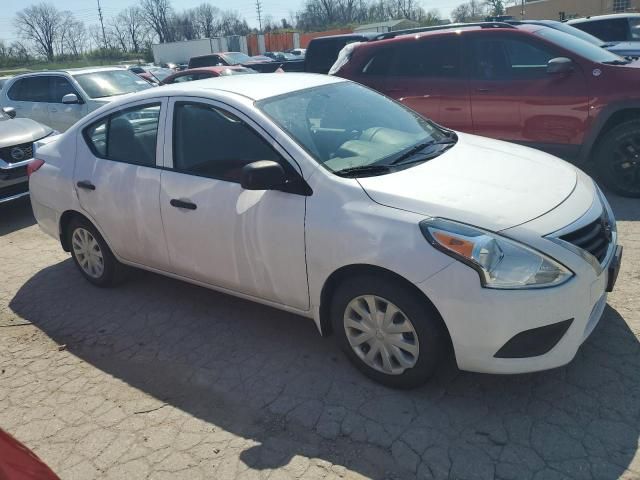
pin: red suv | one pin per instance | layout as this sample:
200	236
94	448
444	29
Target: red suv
528	84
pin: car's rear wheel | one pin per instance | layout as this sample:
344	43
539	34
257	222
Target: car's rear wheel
92	255
618	159
391	334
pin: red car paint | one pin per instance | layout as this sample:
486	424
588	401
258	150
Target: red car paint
562	114
202	72
17	462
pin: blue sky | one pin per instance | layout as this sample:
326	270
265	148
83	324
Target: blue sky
87	10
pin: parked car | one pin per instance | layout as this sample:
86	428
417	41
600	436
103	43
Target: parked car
261	58
282	56
160	73
17	462
142	73
299	52
205	72
618	27
226	59
16	152
59	98
321	197
527	83
322	52
624	49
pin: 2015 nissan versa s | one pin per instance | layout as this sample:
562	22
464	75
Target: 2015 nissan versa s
321	197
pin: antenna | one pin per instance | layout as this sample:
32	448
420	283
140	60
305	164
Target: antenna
104	36
259	11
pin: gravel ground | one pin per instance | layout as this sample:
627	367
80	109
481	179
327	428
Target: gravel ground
161	379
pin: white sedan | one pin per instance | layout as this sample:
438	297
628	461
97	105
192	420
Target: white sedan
321	197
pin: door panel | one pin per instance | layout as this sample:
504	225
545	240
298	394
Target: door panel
122	168
514	98
63	116
251	242
29	96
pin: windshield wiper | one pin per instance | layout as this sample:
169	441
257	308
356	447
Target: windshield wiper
421	146
363	170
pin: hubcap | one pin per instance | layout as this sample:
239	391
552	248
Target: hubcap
381	334
625	164
88	253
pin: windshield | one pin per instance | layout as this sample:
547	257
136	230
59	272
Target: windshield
111	82
577	45
345	125
234	58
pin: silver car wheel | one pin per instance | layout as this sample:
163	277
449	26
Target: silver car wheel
87	252
381	335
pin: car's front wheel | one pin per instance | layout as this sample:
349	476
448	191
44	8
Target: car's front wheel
618	159
391	334
92	255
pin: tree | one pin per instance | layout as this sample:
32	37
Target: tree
131	22
471	11
41	24
157	14
76	38
232	24
208	20
496	7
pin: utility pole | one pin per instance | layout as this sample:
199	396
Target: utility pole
104	36
522	10
259	11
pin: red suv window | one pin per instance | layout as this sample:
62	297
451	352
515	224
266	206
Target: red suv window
425	57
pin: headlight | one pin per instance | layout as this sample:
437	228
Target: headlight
501	262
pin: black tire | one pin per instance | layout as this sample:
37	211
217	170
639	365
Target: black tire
617	159
427	323
113	271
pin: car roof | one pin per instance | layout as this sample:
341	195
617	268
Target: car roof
603	17
367	35
216	69
252	87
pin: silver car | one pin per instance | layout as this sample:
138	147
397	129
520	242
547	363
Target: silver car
16	151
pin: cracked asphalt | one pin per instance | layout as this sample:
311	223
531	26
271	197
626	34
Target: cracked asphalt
160	379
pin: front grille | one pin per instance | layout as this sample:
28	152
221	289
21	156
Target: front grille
594	238
11	154
12	190
13	173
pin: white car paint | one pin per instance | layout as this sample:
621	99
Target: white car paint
280	249
57	115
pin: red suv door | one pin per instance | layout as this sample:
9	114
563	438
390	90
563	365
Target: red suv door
424	74
514	98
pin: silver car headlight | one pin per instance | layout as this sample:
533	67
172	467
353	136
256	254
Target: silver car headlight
501	262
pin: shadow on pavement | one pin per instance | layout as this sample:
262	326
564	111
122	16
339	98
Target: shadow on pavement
15	215
268	375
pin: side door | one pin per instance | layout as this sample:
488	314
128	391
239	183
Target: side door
251	242
117	179
62	116
427	76
514	98
30	97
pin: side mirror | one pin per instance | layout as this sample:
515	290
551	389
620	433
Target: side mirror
263	175
10	111
70	99
560	65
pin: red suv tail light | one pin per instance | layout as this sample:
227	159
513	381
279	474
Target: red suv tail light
34	166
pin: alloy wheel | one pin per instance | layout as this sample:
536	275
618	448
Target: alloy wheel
625	164
381	334
87	252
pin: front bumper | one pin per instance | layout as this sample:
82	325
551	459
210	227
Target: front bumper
14	183
482	321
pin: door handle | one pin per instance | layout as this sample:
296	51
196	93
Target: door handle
183	204
53	109
86	185
483	90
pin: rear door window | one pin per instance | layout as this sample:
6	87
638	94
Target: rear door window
31	89
128	136
60	87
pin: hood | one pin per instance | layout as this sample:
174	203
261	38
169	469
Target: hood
482	182
21	130
625	49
